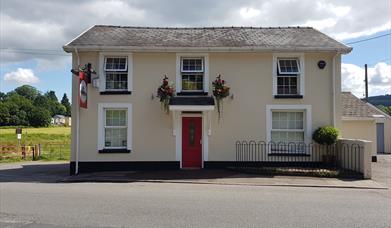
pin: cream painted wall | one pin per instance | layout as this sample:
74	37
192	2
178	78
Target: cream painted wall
250	78
152	128
387	133
361	130
248	74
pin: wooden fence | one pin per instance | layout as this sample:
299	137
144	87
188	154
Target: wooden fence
19	152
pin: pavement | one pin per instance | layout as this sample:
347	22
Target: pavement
222	177
55	172
381	170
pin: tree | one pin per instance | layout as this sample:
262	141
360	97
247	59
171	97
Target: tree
42	101
386	109
27	91
18	107
39	117
4	114
3	96
51	95
67	105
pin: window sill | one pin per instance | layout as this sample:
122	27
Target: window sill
288	96
114	151
192	93
289	154
116	93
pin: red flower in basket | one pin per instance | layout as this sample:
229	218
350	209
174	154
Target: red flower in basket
165	92
220	91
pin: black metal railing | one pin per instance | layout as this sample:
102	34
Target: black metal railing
337	160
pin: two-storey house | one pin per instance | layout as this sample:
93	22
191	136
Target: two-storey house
285	82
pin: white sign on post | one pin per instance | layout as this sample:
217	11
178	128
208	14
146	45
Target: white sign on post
19	136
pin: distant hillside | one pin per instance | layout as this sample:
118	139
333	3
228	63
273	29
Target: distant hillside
384	100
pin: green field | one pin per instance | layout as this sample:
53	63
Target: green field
55	141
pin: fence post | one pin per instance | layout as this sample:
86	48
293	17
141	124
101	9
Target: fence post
36	151
24	152
367	158
60	152
39	149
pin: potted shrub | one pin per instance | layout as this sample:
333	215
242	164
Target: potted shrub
326	136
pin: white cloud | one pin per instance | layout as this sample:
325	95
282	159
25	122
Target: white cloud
379	77
248	12
322	24
45	24
22	76
367	32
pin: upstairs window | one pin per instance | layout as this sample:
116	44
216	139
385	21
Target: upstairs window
116	73
288	76
192	74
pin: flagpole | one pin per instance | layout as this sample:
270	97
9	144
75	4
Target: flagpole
77	119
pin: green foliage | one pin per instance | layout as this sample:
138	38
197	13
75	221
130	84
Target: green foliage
386	109
51	95
39	117
5	115
326	135
2	96
27	91
26	106
67	105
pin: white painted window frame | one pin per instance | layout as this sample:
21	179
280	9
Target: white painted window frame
118	57
290	130
178	78
193	71
102	64
288	73
301	58
118	127
101	122
307	109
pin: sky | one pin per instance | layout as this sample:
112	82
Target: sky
32	33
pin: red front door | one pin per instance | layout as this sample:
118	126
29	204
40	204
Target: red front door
191	142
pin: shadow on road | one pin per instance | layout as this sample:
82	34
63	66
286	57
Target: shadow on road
34	172
58	172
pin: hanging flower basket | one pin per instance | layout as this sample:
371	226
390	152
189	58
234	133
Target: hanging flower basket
220	91
165	92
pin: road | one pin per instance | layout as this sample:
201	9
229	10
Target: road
37	203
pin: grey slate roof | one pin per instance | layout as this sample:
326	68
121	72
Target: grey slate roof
252	38
352	106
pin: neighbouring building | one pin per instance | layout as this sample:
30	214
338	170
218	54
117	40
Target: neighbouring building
61	120
362	120
285	82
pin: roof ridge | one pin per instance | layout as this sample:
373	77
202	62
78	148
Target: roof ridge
208	27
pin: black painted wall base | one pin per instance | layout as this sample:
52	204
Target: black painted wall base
88	167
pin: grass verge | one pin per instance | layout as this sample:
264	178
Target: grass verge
55	142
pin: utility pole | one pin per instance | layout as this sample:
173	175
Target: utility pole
366	82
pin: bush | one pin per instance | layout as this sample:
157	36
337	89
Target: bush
326	135
40	118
